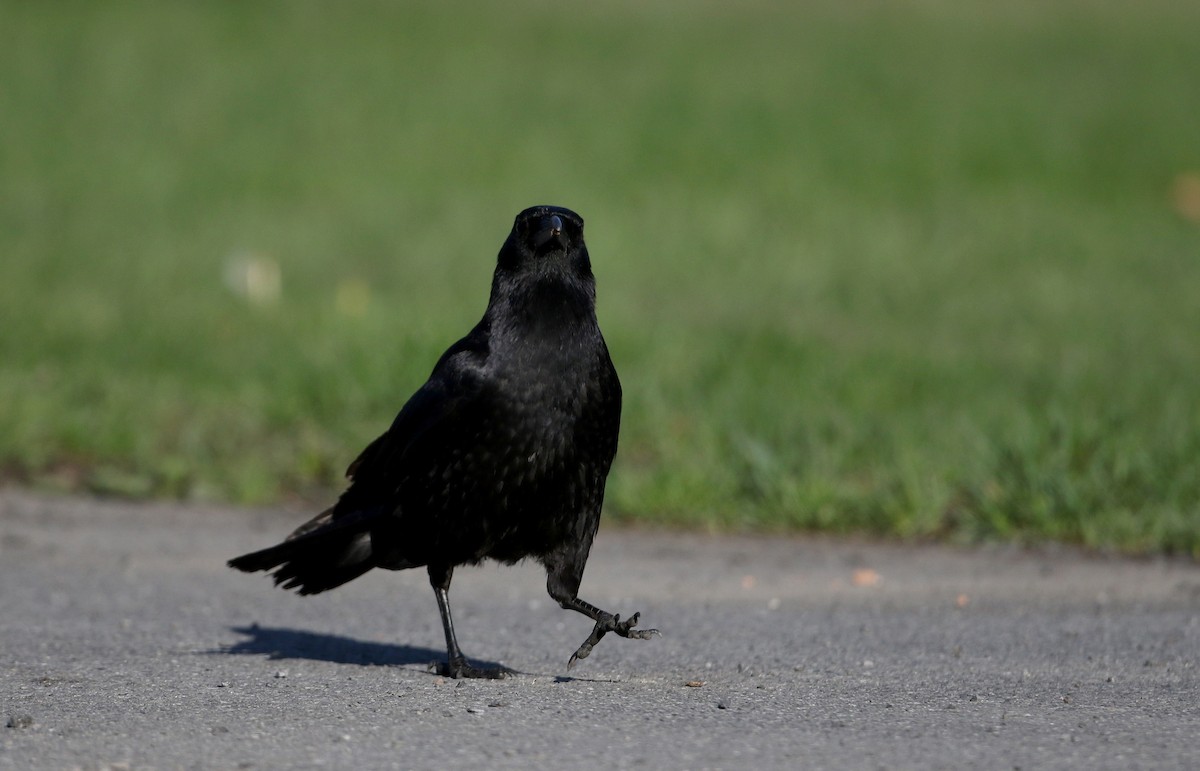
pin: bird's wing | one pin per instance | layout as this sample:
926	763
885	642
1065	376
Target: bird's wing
453	390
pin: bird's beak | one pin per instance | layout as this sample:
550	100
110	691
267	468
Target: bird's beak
551	230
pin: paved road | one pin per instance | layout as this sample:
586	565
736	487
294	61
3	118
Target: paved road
125	643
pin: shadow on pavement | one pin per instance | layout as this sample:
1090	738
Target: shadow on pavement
279	644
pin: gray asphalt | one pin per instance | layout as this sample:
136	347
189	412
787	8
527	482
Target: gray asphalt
126	643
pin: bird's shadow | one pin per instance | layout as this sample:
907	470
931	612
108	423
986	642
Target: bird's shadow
279	644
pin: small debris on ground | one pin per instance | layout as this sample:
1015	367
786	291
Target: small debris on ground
864	577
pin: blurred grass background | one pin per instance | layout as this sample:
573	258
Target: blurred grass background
923	268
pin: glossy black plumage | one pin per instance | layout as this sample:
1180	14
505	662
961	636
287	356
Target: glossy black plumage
502	454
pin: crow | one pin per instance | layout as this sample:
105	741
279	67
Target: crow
502	454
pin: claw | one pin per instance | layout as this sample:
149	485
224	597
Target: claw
463	669
612	623
627	629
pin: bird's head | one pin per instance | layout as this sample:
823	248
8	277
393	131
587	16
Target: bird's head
544	264
543	237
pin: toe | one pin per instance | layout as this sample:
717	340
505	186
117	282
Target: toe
465	670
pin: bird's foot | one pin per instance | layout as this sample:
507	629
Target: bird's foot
612	623
461	668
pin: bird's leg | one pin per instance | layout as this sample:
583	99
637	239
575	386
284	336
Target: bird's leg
563	586
456	665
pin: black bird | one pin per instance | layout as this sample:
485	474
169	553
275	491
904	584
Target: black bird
502	454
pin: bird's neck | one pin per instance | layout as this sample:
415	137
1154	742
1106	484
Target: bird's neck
549	309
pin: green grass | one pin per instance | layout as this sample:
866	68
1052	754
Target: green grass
910	268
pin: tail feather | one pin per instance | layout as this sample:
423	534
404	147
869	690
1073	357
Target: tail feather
322	554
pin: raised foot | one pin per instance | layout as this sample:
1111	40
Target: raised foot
463	669
612	623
